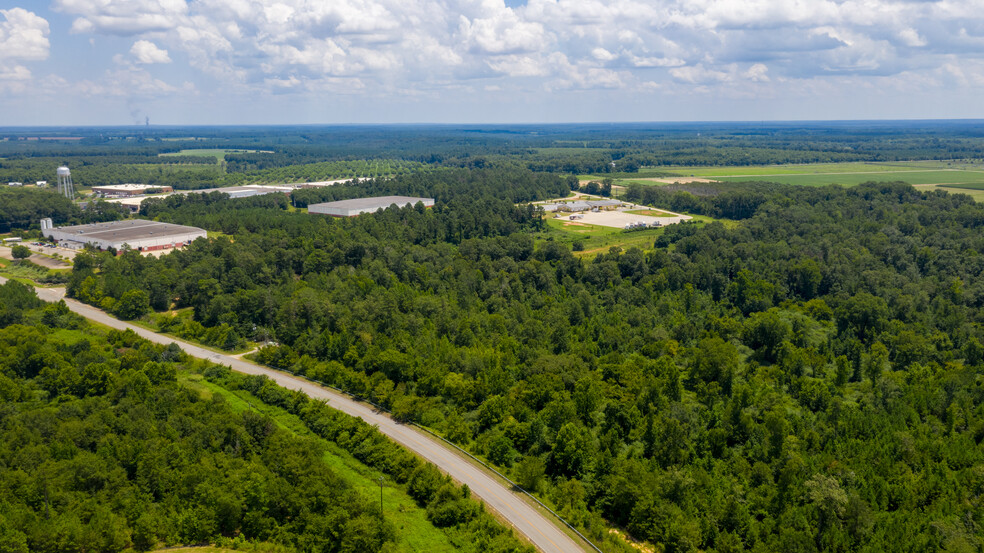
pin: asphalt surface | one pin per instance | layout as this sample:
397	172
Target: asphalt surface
530	522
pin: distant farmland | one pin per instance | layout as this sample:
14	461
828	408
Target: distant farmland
822	174
945	177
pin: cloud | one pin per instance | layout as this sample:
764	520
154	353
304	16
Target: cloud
123	17
23	36
147	52
411	47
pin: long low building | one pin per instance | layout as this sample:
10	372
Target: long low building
245	191
136	234
127	190
358	206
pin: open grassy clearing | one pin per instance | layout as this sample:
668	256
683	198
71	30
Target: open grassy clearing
598	239
595	239
415	531
218	153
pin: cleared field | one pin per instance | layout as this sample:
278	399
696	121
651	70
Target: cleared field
596	239
953	173
969	186
976	193
814	168
944	177
218	153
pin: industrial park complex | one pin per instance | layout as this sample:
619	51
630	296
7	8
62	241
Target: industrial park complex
358	206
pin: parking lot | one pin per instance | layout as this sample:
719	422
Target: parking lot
621	218
42	255
616	218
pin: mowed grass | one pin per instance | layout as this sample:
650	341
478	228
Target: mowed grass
415	532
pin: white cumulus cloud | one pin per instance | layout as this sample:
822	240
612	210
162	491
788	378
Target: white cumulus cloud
23	38
146	52
23	35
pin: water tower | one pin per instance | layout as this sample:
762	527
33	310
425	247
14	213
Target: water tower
65	183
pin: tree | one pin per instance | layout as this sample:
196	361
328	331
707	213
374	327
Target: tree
529	473
132	305
572	453
20	252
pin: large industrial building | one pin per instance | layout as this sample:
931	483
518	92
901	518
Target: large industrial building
358	206
245	191
136	234
128	190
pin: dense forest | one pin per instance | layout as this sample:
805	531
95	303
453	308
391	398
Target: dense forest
805	379
101	450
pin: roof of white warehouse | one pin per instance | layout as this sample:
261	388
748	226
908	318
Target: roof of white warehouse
135	233
604	203
357	206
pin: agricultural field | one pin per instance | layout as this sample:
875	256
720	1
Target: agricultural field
217	153
975	191
924	173
814	168
940	177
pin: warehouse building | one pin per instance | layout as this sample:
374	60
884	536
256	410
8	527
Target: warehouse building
128	190
358	206
136	234
246	191
604	204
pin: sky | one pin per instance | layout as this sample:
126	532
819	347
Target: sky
179	62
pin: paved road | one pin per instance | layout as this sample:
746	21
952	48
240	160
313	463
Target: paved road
534	524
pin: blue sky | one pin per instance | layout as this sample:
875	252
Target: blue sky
111	62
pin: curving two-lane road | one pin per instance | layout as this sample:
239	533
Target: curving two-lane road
530	522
